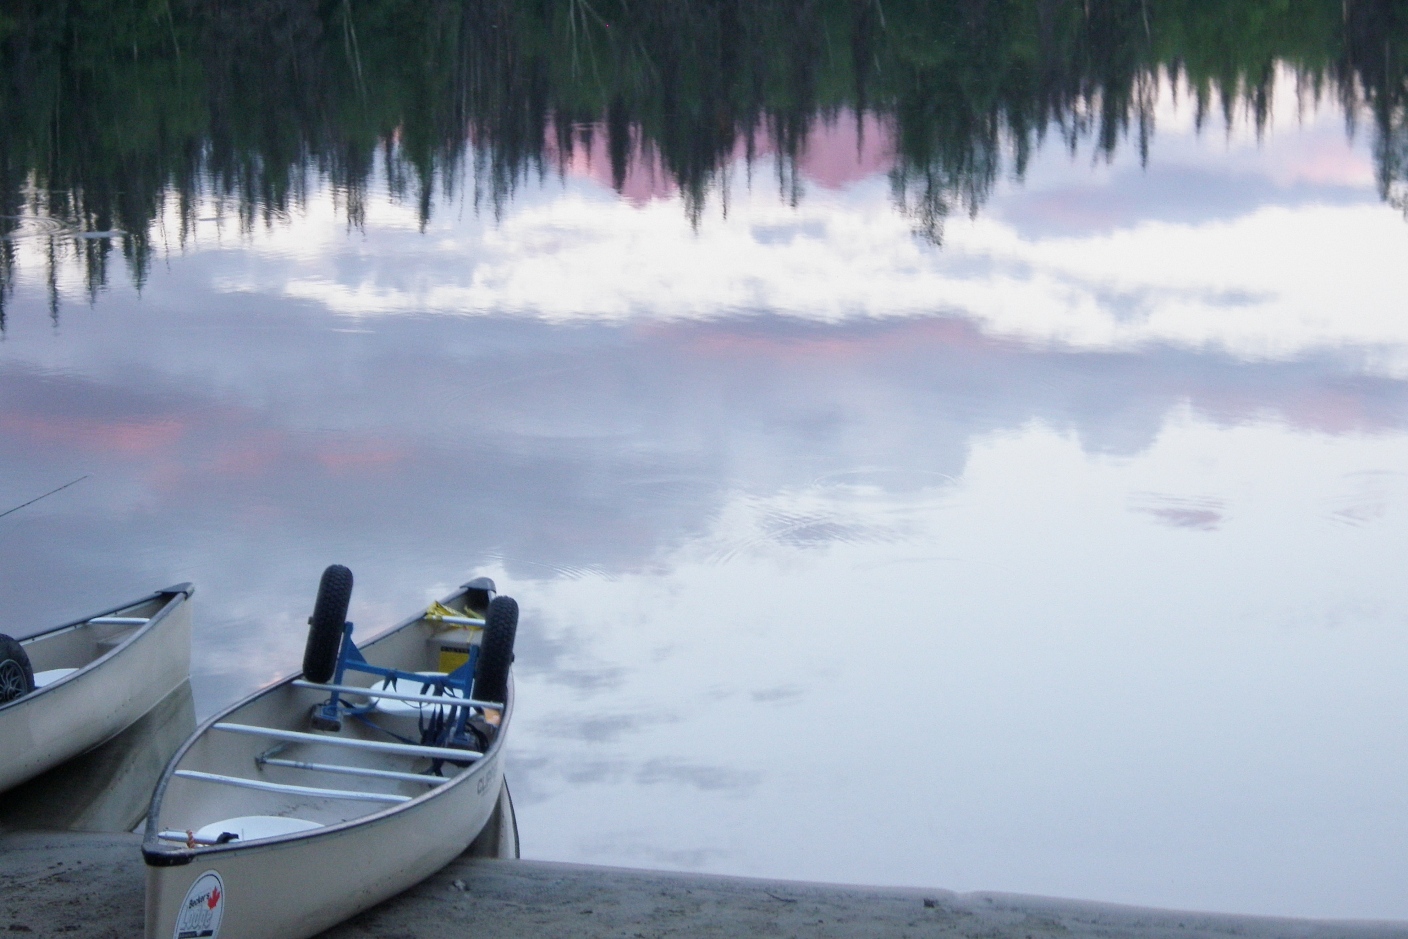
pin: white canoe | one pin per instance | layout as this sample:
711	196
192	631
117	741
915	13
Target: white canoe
94	677
108	788
325	823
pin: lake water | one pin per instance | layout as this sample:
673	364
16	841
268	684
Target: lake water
930	447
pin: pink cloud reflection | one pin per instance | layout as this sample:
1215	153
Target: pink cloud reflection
838	150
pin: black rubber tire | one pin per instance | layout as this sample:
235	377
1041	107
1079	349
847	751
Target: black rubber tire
325	625
496	650
16	674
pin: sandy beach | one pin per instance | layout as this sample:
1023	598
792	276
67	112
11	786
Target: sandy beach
63	884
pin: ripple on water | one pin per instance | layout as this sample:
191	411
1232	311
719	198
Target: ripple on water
44	226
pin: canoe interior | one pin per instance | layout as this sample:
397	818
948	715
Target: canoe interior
189	804
80	644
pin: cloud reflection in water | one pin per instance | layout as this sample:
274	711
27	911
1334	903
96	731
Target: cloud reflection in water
1032	564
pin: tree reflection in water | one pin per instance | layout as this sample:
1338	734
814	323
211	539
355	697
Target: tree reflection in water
112	112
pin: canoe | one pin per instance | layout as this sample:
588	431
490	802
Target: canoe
313	799
72	687
108	788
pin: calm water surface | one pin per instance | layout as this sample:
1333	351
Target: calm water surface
878	514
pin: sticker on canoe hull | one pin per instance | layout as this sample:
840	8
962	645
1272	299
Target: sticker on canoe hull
203	908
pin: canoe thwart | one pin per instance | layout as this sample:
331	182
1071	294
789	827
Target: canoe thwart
440	613
442	700
353	770
458	620
375	746
244	783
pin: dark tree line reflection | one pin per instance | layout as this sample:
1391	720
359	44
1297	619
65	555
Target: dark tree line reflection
111	110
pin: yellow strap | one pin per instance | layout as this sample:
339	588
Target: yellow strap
438	610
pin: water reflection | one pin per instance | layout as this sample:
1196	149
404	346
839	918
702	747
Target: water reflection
1057	558
200	104
746	551
107	788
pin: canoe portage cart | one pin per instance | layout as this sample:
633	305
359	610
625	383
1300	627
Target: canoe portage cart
322	795
67	689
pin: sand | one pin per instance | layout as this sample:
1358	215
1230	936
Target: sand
91	885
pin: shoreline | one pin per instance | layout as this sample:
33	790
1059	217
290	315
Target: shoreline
67	883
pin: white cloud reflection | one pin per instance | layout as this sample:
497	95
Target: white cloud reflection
1266	250
1063	559
1029	681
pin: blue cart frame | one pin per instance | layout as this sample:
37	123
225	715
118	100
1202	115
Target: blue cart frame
440	732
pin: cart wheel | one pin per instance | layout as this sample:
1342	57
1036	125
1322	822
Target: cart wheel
325	625
496	650
16	675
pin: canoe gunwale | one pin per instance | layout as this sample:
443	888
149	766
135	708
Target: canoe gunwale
157	853
183	591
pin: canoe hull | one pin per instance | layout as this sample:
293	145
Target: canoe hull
47	727
298	887
379	825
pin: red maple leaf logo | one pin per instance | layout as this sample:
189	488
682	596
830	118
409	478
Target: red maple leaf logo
214	898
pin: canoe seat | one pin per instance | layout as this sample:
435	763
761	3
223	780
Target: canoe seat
254	827
49	676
